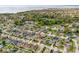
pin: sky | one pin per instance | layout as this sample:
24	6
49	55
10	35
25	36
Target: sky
20	8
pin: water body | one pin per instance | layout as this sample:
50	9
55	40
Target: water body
20	8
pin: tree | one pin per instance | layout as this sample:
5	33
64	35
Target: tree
4	43
18	22
0	31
